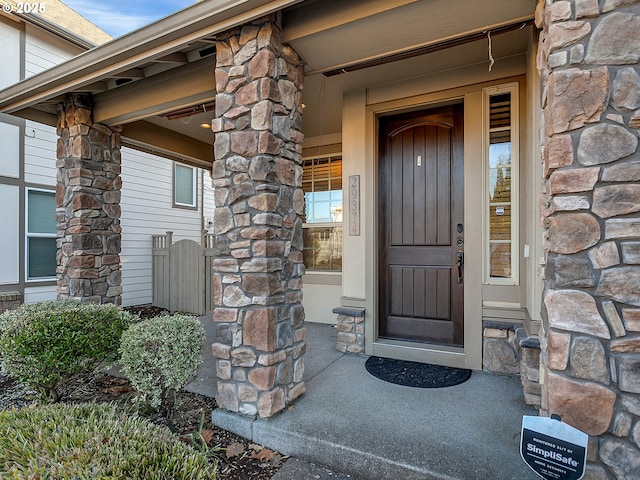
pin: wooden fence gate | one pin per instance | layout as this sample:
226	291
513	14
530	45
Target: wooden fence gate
182	280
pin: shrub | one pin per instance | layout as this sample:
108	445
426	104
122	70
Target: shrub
161	355
92	441
45	344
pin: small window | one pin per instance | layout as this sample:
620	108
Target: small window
322	186
501	180
184	186
41	234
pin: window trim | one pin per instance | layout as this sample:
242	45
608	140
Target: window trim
513	89
194	179
314	271
27	236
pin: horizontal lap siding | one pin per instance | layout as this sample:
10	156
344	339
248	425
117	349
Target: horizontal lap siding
40	154
147	209
39	294
43	51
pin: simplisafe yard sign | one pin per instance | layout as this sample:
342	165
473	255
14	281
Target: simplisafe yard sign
552	449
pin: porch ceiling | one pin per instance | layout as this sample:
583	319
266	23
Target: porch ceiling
168	65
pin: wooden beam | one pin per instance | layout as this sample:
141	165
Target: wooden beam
176	88
150	138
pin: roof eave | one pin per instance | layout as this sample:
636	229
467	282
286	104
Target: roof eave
162	37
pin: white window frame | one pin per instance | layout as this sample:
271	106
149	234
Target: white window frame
29	235
513	89
327	224
194	179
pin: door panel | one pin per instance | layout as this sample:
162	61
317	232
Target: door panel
420	207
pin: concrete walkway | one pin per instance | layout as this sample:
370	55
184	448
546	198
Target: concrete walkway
364	428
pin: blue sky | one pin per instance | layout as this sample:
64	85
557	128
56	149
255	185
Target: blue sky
117	17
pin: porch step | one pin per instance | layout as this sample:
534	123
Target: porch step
350	422
358	464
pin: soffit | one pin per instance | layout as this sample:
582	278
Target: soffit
169	65
357	30
360	30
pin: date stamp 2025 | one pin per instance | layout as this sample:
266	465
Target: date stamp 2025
24	7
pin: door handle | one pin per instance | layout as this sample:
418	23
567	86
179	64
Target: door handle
459	263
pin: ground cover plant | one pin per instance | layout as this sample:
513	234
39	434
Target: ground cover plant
60	441
44	345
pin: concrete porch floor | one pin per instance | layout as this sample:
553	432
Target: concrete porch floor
354	423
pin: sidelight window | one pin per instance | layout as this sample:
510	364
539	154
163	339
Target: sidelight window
501	182
322	221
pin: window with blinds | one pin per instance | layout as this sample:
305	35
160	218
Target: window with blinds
322	186
501	182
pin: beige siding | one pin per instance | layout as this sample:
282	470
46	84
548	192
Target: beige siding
43	51
147	209
39	294
40	154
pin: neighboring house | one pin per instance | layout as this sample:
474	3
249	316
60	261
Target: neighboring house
157	194
470	174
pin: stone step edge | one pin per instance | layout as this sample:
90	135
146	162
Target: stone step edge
349	312
336	457
524	339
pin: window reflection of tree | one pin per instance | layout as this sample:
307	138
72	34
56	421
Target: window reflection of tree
323	248
322	185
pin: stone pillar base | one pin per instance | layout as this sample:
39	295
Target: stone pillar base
350	326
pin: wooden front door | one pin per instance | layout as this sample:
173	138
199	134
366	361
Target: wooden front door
421	225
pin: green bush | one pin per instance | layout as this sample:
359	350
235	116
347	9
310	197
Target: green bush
92	441
161	355
45	344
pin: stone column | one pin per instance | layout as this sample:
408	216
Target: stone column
257	172
588	59
88	205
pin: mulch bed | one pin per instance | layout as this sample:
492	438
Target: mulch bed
190	418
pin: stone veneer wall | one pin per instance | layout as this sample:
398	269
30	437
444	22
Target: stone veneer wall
257	174
88	205
588	61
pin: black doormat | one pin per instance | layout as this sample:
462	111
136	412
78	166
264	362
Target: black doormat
413	374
